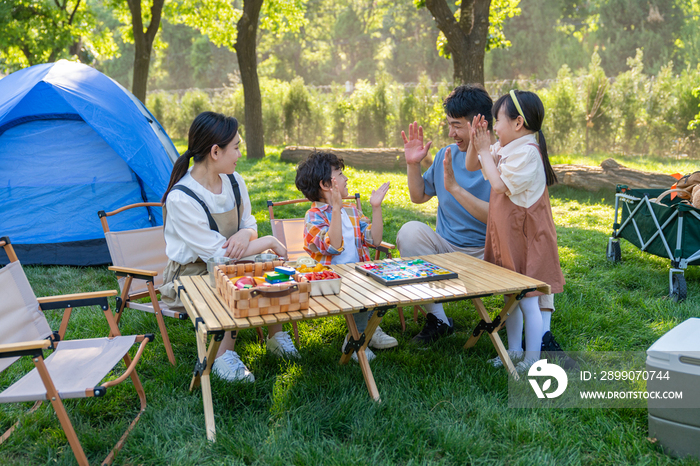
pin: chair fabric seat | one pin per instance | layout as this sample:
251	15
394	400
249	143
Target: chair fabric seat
75	366
164	309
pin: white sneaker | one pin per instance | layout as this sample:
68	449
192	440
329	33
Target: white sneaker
282	346
514	356
368	352
524	365
229	367
381	340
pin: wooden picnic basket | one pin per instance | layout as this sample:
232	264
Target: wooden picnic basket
260	300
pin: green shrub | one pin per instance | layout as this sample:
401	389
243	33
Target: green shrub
297	113
636	114
628	107
564	119
192	104
165	108
342	111
596	97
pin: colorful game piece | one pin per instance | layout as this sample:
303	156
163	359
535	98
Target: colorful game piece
276	277
285	270
400	272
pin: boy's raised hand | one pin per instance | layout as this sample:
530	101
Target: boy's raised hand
336	196
413	147
377	196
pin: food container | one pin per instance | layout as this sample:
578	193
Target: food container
260	300
325	287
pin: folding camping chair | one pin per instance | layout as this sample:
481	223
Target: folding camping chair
140	255
76	367
290	232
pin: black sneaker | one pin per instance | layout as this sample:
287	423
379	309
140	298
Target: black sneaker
551	350
433	329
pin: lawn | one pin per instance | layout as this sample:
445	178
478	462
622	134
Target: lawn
441	405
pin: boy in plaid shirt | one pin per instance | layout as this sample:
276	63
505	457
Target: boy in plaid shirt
343	238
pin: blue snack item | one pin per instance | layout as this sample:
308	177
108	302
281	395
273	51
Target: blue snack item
285	270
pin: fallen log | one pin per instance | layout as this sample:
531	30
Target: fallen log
390	158
609	175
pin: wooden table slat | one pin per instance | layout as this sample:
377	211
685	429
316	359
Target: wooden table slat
205	312
376	295
212	298
515	279
382	292
330	307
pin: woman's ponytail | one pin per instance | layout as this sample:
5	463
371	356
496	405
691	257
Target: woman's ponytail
179	169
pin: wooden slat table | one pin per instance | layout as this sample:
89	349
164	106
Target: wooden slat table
359	293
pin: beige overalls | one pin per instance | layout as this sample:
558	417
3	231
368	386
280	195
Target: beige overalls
227	222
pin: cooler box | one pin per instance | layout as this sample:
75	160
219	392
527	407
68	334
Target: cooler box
676	423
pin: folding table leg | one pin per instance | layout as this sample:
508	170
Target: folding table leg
201	376
361	355
502	317
495	339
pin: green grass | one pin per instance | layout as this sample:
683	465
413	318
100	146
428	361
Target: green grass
441	405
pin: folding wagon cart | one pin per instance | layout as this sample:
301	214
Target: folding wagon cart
659	225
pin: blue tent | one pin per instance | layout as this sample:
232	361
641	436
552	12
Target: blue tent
74	142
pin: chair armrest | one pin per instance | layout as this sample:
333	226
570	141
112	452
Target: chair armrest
76	297
95	298
24	348
124	271
144	339
383	246
25	345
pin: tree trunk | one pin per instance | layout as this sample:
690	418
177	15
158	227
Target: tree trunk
143	44
466	38
248	63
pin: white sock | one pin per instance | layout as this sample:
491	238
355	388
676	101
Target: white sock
533	327
438	311
514	330
546	321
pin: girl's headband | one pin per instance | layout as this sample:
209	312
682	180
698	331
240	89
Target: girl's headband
517	106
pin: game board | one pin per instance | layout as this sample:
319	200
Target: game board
401	272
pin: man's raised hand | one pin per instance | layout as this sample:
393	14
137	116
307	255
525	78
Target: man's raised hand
413	147
449	174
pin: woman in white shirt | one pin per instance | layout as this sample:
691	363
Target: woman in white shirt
208	214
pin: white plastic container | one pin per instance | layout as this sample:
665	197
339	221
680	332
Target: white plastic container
325	287
678	352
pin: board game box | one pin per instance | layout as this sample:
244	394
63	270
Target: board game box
401	272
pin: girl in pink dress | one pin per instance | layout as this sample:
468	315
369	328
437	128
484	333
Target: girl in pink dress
520	233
